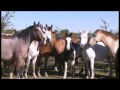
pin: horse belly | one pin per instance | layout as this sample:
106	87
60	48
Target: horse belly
6	53
101	52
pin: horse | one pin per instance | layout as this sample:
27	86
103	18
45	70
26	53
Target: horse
34	50
16	47
110	40
64	51
97	52
7	63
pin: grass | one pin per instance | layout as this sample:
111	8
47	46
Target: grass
99	74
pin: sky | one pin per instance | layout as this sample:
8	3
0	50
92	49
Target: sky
74	21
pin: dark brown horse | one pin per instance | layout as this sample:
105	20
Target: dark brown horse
16	47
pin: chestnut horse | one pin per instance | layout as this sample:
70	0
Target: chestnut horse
110	40
16	47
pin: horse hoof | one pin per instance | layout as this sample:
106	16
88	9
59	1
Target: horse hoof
39	75
87	77
11	78
91	77
46	75
64	77
35	76
26	77
56	69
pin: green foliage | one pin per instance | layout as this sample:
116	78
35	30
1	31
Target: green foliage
5	19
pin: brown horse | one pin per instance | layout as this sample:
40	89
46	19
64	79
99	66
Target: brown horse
45	50
16	47
109	39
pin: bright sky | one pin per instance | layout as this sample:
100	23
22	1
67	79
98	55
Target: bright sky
71	20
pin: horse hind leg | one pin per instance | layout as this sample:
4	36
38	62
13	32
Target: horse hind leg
110	66
46	59
12	64
19	68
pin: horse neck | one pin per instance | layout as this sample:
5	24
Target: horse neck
59	44
111	43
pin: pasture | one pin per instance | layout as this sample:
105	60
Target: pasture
101	71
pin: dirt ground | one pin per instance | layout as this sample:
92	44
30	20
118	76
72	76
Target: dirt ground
52	74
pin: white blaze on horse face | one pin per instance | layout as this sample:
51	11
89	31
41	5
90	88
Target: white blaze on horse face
43	35
48	34
84	38
68	39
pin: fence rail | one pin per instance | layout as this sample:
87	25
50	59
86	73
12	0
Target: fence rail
6	34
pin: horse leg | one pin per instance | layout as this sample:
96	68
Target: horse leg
92	68
110	65
65	70
87	68
12	68
73	68
46	59
27	65
73	64
38	66
4	67
60	65
19	67
56	64
34	62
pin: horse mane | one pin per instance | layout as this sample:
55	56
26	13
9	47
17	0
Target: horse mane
25	33
106	33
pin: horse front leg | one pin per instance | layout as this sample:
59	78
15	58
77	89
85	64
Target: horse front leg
46	60
34	63
73	68
92	68
38	66
65	70
56	64
27	65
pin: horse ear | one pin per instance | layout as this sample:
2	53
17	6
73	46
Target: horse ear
51	26
34	23
71	34
87	32
80	32
46	25
38	24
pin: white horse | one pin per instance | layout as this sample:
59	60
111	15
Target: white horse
34	51
96	52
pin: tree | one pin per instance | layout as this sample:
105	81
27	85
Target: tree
105	26
5	19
